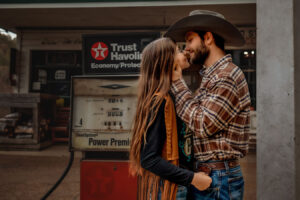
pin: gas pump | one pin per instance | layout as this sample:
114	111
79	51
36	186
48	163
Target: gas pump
103	105
102	111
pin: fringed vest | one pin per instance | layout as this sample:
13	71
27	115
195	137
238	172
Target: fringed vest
149	183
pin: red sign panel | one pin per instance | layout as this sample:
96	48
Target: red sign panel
106	180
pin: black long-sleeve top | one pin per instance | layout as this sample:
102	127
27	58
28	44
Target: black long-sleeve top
151	153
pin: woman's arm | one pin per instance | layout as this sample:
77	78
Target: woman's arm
151	153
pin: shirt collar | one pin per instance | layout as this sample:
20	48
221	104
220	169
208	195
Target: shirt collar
207	71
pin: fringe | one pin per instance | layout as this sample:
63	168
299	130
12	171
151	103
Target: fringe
149	185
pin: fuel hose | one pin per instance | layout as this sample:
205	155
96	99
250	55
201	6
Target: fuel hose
62	176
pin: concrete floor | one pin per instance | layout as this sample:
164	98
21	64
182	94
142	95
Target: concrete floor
28	175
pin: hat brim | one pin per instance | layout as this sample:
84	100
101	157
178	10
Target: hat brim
231	35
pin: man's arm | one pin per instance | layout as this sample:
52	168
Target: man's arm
211	114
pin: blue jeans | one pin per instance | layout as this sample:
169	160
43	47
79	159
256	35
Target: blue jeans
180	195
227	184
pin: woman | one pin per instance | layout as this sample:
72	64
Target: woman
154	151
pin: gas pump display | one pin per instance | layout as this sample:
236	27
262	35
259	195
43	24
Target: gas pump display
103	109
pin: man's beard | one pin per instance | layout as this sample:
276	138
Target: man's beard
201	55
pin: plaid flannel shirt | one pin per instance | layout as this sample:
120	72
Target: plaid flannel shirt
218	113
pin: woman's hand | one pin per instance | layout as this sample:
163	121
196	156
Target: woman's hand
201	181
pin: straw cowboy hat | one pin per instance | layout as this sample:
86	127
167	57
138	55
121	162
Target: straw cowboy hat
204	20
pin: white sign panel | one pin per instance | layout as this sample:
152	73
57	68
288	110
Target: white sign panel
102	113
109	141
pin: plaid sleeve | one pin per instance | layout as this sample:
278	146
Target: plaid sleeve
213	112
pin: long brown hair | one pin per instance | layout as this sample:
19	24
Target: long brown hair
154	83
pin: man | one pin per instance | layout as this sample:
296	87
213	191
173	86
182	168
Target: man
219	111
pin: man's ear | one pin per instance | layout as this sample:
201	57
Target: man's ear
208	38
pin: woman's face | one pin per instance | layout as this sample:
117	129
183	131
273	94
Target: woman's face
180	59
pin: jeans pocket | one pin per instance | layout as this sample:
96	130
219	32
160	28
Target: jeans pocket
236	184
235	176
209	194
214	182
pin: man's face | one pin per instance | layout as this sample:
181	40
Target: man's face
197	49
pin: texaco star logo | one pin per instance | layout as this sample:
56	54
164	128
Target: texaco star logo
99	51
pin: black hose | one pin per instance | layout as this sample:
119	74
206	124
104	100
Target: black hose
62	177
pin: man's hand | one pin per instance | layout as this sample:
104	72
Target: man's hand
177	73
201	181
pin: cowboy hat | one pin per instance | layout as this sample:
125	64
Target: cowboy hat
204	20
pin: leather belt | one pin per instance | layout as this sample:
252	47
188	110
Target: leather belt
207	167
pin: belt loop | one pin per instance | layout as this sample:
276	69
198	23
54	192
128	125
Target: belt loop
226	166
